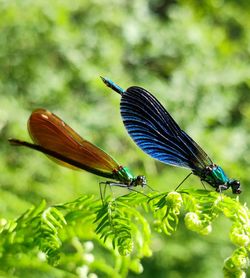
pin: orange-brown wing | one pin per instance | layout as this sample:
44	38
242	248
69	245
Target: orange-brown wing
50	132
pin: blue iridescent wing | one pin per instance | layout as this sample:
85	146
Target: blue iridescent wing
156	132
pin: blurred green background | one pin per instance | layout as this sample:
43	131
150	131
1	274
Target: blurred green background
192	55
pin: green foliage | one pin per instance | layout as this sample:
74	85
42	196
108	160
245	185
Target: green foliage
167	212
37	227
119	226
117	221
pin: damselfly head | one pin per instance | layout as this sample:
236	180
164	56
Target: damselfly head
235	185
141	180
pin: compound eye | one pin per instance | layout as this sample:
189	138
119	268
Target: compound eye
235	182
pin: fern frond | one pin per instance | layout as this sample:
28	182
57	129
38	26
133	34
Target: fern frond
48	225
116	223
39	227
120	226
166	211
206	207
